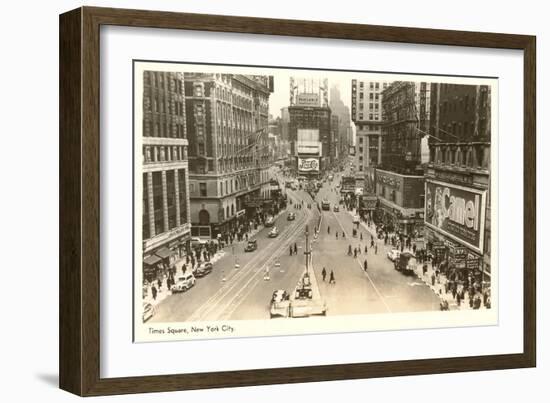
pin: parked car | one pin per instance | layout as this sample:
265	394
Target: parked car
184	283
291	216
196	241
270	221
148	311
251	246
393	254
203	269
274	232
356	219
336	208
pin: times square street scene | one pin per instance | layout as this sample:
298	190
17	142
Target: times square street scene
329	230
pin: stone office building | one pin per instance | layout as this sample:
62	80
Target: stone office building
366	113
165	179
227	122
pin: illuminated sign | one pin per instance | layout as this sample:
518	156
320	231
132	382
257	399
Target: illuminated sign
308	164
457	212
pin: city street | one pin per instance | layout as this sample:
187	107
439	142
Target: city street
230	293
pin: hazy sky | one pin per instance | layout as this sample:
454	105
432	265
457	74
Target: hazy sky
280	96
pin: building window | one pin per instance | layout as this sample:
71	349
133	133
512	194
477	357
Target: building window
146	234
158	202
182	196
171	198
202	189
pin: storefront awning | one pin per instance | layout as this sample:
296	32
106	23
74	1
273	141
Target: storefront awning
163	253
151	260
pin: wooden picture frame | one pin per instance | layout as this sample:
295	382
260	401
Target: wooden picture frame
79	348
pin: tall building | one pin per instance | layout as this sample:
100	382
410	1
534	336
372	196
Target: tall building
309	131
341	110
165	198
227	121
399	178
285	120
458	197
309	127
335	137
406	109
366	114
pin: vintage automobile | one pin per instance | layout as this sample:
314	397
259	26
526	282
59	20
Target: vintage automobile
273	233
196	241
393	254
405	263
148	311
280	304
251	246
336	208
325	204
184	283
269	221
291	216
203	270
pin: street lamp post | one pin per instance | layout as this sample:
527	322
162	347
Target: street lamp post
307	252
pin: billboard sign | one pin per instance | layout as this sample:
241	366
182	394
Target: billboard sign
308	164
456	211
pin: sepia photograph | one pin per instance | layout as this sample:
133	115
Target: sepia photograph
278	201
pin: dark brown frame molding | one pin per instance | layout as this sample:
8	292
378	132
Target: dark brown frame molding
79	175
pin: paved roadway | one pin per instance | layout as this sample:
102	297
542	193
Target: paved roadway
245	294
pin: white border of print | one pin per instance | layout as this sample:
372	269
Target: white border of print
121	357
171	331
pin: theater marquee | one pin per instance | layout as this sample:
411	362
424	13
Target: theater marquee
456	211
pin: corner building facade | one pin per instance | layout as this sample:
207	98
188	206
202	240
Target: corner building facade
460	168
227	122
165	178
400	174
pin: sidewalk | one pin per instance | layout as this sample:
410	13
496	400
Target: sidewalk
438	287
163	292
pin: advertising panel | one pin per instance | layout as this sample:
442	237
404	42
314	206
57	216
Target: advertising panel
308	164
457	212
308	135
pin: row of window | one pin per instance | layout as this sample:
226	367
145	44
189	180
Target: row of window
174	196
153	154
372	96
163	128
372	116
473	156
159	79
